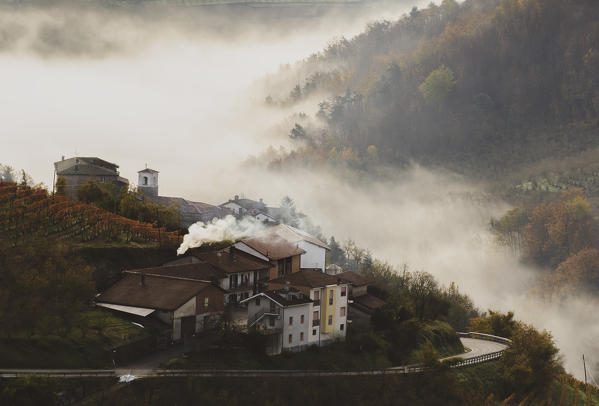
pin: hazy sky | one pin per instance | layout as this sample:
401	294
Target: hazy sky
135	91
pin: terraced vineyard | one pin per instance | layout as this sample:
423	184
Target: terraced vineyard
28	213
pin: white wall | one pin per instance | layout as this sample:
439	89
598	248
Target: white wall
341	301
235	207
188	309
313	339
314	256
297	327
176	329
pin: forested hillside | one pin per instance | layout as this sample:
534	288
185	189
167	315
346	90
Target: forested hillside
482	87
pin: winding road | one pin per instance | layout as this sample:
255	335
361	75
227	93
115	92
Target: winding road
482	350
479	347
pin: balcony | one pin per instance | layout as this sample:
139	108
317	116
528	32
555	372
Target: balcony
315	323
260	315
316	302
241	286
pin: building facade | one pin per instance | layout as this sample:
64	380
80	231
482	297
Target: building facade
77	171
283	316
328	315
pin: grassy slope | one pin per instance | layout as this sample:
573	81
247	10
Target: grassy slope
72	350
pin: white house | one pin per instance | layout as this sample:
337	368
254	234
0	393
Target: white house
283	316
323	318
315	250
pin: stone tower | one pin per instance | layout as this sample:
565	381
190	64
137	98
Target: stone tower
147	181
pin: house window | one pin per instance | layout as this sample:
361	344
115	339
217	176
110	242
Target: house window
330	320
341	327
206	302
290	320
302	319
315	315
290	338
145	180
342	311
271	321
302	336
344	291
257	301
331	297
316	294
313	332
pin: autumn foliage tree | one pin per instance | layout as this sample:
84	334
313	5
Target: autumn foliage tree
560	229
531	362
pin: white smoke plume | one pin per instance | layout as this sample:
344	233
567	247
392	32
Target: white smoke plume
228	228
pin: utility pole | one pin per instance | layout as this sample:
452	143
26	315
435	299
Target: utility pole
586	386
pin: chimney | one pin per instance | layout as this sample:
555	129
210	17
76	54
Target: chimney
236	197
63	157
142	279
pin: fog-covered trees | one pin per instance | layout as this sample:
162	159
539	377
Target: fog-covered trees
438	85
469	84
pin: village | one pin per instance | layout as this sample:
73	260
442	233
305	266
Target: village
276	283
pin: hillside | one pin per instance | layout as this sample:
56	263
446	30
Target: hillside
483	87
27	214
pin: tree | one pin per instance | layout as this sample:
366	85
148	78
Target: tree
6	174
578	273
297	132
496	323
438	85
61	186
531	362
336	253
423	290
510	228
557	230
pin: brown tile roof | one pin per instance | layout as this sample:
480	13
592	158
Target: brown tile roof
306	277
368	301
353	278
273	248
233	260
157	292
200	271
